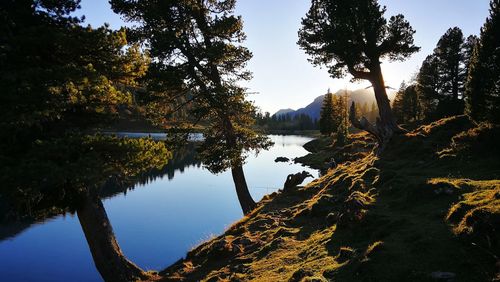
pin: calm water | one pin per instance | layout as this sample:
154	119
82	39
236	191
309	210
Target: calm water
155	223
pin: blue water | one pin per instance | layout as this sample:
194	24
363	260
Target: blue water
155	224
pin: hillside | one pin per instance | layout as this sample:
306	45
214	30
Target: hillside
313	110
427	209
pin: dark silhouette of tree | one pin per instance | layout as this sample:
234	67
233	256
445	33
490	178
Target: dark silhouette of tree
428	86
406	106
442	76
327	122
197	54
354	37
468	49
483	82
57	76
450	58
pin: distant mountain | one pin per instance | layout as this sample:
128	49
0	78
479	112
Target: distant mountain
284	112
313	110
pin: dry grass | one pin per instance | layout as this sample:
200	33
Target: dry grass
397	217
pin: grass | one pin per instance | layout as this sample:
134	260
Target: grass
323	149
402	216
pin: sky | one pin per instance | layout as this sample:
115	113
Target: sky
282	76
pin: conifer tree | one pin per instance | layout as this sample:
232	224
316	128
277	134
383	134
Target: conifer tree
197	52
483	82
354	37
428	86
327	123
57	76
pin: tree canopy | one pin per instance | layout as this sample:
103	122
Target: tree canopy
354	37
483	81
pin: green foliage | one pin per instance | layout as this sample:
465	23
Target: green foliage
327	122
58	80
354	37
285	122
407	104
442	76
334	116
331	37
57	76
428	86
198	60
483	81
57	172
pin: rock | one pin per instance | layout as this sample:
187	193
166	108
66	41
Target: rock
294	180
443	276
281	160
300	274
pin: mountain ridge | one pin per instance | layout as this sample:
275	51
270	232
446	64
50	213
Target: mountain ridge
360	96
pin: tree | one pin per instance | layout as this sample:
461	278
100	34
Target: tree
428	87
451	68
450	58
327	123
397	104
406	105
55	176
483	81
468	49
353	37
54	79
197	54
372	117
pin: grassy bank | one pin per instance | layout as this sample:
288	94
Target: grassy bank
427	209
323	149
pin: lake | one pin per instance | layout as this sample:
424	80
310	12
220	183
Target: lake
156	222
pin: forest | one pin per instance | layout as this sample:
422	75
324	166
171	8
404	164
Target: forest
408	188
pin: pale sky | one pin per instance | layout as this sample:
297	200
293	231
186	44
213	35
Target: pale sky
283	78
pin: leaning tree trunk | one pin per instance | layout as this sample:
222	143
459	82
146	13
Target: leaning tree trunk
244	197
386	125
240	183
108	257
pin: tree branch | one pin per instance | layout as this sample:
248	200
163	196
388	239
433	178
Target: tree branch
359	74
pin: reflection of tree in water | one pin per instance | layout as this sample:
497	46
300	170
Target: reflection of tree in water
184	157
77	187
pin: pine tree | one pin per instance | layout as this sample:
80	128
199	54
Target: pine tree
57	76
398	104
483	82
450	57
331	37
197	53
428	87
468	49
327	123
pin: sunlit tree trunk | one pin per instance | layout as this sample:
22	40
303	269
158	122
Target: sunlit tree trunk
387	119
386	125
107	255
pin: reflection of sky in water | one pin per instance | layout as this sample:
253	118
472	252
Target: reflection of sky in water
155	224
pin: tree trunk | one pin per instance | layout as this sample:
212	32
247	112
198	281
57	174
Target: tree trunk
240	183
108	257
386	125
387	119
244	197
